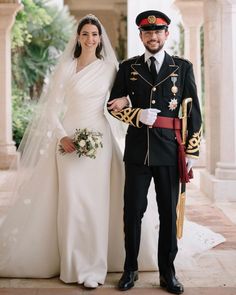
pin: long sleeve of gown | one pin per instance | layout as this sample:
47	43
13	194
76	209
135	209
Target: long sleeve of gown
55	111
59	131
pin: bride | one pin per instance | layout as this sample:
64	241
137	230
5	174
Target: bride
66	216
60	222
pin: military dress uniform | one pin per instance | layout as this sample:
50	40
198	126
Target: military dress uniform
154	152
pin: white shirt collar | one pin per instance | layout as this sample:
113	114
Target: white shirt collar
159	56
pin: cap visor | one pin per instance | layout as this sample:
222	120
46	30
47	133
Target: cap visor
153	27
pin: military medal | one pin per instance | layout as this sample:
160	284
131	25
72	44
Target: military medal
173	103
174	88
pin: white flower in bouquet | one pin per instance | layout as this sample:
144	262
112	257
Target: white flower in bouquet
82	142
86	142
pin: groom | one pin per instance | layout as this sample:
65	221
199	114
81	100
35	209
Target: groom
156	84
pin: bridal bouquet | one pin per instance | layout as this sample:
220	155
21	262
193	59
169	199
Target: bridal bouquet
87	142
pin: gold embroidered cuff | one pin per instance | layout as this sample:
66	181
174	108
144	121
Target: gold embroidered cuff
194	144
129	116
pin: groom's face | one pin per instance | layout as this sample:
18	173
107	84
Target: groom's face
154	40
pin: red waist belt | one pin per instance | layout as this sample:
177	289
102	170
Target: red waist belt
176	125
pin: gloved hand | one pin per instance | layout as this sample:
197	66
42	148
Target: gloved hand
189	162
148	116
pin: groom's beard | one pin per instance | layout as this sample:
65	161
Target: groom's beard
154	51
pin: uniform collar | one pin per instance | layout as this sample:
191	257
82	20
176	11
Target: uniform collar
167	69
159	56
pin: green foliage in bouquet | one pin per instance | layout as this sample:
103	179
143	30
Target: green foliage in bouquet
86	142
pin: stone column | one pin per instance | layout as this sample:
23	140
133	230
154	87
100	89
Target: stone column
7	147
212	58
219	181
226	167
192	17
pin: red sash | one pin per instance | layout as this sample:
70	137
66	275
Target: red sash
176	124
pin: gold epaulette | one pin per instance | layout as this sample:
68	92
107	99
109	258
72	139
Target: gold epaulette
129	116
130	59
181	58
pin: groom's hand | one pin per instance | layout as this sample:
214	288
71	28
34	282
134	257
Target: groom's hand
148	116
67	144
189	162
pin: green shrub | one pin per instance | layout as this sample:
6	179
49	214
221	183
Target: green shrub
22	114
39	35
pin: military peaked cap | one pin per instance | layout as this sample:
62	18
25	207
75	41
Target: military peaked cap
152	20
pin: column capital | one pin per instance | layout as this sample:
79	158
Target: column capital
191	11
8	12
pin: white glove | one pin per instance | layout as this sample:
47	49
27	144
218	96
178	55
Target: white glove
190	163
148	116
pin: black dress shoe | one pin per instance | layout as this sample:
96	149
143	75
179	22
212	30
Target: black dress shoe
171	284
127	280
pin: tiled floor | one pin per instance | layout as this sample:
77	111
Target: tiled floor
214	272
107	291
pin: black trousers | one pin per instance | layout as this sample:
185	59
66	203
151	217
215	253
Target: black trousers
137	182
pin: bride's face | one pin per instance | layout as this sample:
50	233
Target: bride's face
89	37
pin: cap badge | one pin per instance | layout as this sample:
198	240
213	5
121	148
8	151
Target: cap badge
151	19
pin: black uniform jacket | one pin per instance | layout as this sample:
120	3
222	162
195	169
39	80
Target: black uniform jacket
157	146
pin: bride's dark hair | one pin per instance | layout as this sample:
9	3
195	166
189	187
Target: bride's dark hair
93	21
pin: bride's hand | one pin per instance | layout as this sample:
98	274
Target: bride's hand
118	104
67	144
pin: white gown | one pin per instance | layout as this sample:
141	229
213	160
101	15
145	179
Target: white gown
74	227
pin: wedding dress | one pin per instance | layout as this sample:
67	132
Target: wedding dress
66	230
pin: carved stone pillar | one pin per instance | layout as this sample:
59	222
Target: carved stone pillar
192	16
226	167
7	147
219	180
